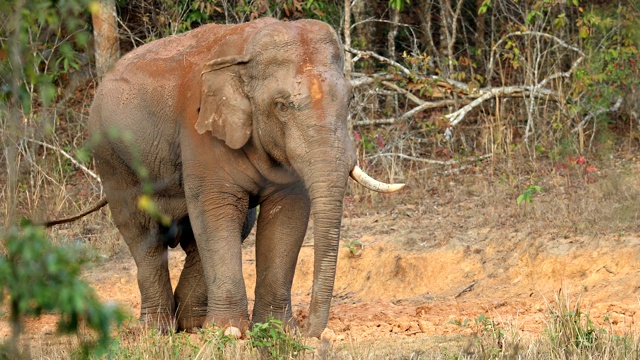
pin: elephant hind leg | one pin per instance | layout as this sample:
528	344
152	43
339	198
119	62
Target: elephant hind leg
191	292
144	237
157	306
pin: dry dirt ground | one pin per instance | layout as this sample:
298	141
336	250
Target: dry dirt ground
432	260
389	292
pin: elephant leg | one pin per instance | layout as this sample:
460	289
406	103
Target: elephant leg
218	237
191	292
146	242
156	297
282	225
147	246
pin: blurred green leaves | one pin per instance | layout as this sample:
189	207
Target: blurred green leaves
37	277
41	40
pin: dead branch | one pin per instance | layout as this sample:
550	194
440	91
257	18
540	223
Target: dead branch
362	79
599	112
466	289
68	156
348	62
505	91
426	105
386	121
529	33
367	54
429	161
404	92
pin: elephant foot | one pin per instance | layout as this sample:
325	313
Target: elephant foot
190	323
163	322
233	326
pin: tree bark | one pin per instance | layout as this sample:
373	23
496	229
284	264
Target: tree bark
391	103
105	33
391	36
480	26
347	39
425	8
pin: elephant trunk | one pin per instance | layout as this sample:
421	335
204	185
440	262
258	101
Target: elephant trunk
325	171
326	180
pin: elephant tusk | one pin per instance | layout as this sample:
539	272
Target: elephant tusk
372	184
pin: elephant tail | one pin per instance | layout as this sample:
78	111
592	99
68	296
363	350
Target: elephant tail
100	204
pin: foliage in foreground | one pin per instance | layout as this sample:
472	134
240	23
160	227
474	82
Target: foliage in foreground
37	277
271	340
267	340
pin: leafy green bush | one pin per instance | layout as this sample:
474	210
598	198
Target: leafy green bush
610	36
37	277
273	342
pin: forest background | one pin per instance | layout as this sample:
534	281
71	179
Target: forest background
436	82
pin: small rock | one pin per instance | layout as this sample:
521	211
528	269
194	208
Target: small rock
328	335
414	327
233	331
425	325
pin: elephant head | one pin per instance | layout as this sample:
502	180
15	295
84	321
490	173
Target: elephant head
283	92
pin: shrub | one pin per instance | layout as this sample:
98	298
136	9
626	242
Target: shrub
37	277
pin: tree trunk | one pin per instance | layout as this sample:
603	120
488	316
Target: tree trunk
347	38
480	27
105	33
425	8
391	103
391	36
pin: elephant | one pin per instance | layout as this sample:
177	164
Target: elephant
208	125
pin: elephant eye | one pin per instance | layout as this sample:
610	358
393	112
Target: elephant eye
284	106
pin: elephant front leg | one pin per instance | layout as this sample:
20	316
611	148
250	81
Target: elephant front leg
217	225
191	292
282	225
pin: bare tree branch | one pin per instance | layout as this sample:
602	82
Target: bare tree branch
592	115
527	33
486	94
426	105
366	54
429	161
362	80
404	92
68	156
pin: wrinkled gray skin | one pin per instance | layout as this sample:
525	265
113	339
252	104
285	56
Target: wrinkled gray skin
225	118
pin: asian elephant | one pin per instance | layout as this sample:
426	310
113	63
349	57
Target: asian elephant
219	120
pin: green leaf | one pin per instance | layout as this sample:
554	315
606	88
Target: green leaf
584	32
398	4
486	4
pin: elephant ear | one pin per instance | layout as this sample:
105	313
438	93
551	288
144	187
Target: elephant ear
225	110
